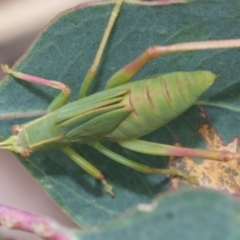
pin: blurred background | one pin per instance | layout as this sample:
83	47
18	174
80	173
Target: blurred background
20	23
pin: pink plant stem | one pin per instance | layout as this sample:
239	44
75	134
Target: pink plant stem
40	225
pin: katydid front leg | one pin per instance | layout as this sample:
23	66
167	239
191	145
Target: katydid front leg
58	102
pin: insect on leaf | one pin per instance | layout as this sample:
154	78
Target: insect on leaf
65	51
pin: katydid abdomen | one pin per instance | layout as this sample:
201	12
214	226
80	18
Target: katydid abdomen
158	100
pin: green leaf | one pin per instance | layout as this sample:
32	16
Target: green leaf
179	215
65	51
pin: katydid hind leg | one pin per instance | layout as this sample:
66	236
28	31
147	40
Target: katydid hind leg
89	168
141	167
59	101
93	69
168	150
126	73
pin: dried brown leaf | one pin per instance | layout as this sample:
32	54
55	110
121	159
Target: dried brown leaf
211	174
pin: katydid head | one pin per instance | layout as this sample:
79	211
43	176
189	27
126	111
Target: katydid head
12	143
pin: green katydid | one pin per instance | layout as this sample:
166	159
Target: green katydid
122	113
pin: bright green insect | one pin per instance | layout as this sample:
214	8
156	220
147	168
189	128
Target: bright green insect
121	113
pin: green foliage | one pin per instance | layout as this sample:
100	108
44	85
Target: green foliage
65	51
184	215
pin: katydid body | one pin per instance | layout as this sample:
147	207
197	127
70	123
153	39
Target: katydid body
115	114
121	113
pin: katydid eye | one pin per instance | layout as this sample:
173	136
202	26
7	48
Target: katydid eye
25	153
16	129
